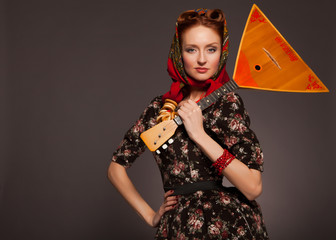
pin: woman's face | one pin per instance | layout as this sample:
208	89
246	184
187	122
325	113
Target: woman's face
201	51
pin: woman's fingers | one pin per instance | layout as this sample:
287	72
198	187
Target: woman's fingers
192	119
191	114
169	201
169	208
189	106
168	193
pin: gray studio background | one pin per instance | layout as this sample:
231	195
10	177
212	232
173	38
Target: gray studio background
75	75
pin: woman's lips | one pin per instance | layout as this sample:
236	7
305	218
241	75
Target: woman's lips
201	70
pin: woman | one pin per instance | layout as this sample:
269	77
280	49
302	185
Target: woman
211	144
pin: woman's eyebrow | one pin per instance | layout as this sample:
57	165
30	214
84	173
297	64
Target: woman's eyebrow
190	45
195	45
214	43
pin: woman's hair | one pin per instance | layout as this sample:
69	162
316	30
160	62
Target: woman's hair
212	18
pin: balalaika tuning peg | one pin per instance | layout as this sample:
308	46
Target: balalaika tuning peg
165	146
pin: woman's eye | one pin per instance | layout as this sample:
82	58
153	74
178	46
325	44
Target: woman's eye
212	50
190	50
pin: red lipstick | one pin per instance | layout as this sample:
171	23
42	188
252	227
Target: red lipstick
201	70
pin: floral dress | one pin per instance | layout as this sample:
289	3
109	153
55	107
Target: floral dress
210	214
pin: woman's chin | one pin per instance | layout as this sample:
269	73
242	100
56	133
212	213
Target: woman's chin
200	78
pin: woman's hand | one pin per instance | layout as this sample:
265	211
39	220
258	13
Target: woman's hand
191	115
168	204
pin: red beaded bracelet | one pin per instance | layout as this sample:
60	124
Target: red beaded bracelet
223	161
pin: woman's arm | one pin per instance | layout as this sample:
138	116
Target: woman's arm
119	178
247	180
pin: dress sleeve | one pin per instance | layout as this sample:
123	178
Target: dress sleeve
231	125
132	145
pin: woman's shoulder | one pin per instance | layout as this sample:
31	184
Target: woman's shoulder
230	105
156	102
232	100
154	106
157	98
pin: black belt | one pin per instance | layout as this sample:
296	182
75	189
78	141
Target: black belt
193	187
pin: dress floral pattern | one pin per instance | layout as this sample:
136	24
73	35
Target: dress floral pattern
210	214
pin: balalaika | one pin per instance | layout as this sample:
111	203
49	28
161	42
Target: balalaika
161	134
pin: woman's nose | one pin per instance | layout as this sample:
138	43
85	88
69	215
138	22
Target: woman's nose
201	58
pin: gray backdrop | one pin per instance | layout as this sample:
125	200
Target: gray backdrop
76	74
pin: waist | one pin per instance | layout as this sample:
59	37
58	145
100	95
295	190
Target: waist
189	188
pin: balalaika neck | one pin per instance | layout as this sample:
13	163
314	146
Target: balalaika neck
213	97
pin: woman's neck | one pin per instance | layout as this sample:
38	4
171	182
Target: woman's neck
195	93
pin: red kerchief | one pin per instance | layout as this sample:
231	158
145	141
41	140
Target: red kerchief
181	79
